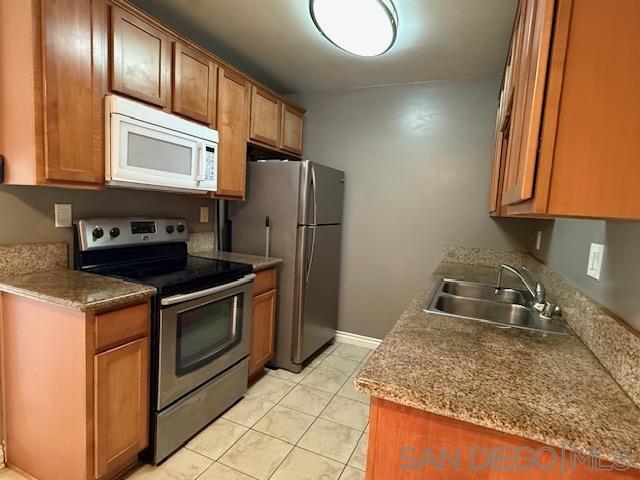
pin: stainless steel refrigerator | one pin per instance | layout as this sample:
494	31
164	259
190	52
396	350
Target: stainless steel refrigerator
294	210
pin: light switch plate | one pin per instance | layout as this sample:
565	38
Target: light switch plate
596	254
63	215
204	214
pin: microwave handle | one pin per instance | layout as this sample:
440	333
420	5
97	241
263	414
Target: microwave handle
202	158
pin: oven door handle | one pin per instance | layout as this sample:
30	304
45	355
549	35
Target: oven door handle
209	291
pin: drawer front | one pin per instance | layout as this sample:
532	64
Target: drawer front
119	326
265	281
177	423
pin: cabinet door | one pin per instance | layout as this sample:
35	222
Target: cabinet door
232	121
140	59
292	123
121	405
194	85
503	124
265	117
262	332
75	74
496	169
531	58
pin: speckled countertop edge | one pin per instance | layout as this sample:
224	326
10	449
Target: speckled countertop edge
389	375
85	292
256	261
39	271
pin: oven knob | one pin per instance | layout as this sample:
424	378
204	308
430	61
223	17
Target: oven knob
170	228
114	232
180	228
97	233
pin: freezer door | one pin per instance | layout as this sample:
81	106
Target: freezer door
317	285
321	194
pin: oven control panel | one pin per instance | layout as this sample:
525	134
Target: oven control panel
99	233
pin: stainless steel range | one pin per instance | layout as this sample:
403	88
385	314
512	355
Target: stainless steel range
201	320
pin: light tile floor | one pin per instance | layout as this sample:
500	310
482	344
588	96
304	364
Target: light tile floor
307	426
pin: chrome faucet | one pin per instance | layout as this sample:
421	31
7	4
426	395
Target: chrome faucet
535	288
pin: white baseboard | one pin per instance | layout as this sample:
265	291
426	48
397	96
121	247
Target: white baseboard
355	339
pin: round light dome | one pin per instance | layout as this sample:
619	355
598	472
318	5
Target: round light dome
362	27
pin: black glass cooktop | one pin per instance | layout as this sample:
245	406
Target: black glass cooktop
183	273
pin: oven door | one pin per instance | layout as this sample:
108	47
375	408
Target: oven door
202	334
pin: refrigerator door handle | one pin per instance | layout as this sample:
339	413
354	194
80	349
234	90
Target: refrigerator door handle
315	195
311	255
315	221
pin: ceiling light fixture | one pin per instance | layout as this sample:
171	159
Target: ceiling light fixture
362	27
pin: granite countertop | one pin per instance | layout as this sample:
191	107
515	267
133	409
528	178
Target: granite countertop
548	388
75	290
258	262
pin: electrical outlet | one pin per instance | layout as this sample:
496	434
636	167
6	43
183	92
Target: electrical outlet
538	239
63	215
204	214
596	254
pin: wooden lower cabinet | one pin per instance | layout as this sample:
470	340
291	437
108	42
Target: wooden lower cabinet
121	389
262	332
263	320
74	409
410	444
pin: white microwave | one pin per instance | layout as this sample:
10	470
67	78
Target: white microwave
150	149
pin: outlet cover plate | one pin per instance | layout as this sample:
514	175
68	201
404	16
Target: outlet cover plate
596	254
63	215
204	214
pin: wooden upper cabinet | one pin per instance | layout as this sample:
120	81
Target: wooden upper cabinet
533	38
503	127
74	72
234	95
140	59
292	124
265	117
590	155
572	144
195	79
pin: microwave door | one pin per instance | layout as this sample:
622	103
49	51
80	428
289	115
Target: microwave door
149	155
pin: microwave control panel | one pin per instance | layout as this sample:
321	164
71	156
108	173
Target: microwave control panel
210	163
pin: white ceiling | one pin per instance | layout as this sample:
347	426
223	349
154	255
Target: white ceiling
277	42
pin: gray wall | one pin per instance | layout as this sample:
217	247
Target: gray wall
565	248
417	160
26	213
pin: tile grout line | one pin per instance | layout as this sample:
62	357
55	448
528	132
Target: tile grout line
227	466
294	446
270	436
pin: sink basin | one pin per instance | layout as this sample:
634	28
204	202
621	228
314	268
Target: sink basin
507	309
486	292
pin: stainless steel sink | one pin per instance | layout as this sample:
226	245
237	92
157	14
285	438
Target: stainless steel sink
509	308
486	292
